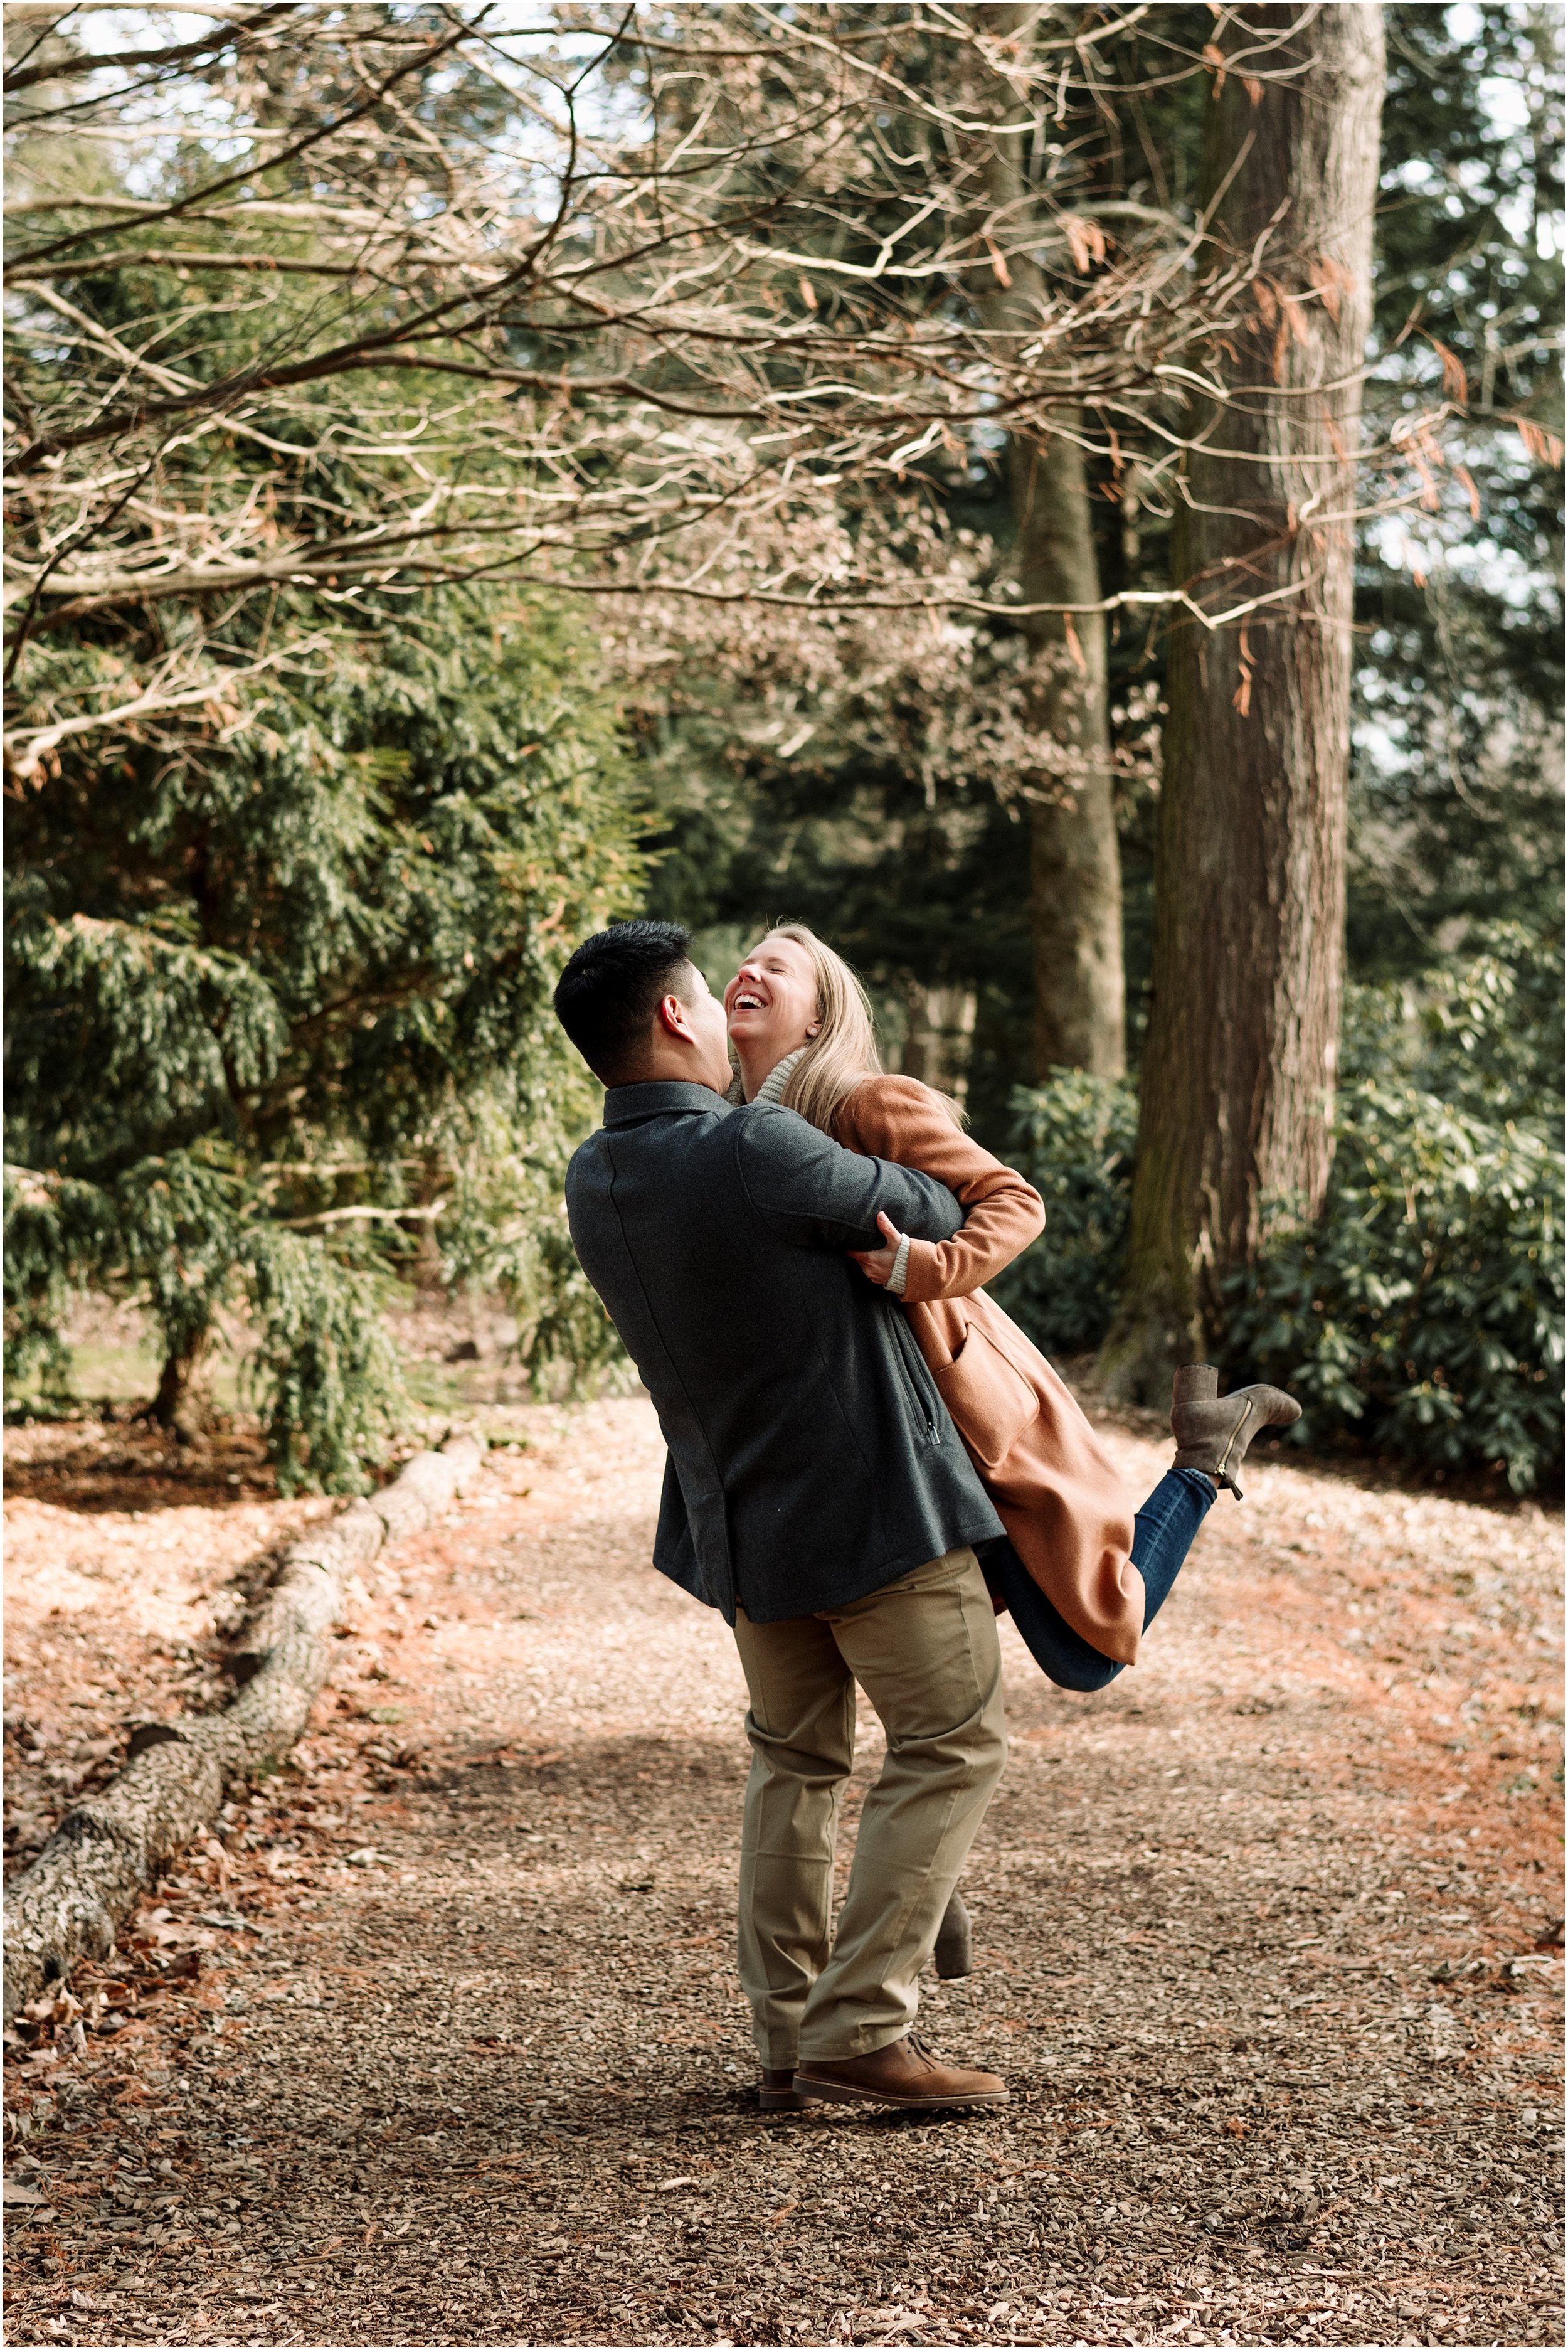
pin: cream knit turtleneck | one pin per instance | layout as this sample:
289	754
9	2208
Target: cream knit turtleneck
773	1084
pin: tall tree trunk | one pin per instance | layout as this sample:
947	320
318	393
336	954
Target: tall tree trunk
939	1039
1238	1061
1076	875
1075	881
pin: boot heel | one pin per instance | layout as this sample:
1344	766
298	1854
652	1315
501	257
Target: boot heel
1195	1383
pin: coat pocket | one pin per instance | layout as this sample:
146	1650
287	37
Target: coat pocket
991	1402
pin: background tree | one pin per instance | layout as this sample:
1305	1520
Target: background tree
1015	697
1421	1311
1238	1081
1456	781
1076	900
279	994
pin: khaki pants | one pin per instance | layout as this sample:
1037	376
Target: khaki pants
925	1651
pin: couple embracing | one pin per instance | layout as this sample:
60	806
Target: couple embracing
868	1461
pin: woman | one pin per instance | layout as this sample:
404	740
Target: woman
1083	1574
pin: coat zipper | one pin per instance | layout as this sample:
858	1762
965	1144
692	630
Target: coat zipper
903	1341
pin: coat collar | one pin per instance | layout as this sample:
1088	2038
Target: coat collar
659	1097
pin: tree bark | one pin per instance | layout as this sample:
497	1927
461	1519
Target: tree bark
180	1403
1238	1061
1075	881
939	1039
1076	875
106	1851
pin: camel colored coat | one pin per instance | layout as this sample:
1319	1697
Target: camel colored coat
1053	1484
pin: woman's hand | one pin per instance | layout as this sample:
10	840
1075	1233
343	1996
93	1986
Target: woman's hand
877	1265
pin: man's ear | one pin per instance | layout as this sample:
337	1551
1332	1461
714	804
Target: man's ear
675	1018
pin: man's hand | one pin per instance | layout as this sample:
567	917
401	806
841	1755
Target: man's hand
877	1265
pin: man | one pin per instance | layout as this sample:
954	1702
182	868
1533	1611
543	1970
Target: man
816	1493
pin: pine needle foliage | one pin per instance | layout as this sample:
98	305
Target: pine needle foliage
278	1009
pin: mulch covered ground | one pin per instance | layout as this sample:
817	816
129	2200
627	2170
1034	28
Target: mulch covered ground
440	2040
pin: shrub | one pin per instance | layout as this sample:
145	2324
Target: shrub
1075	1139
1425	1310
1422	1312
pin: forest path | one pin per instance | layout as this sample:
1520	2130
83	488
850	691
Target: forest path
442	2042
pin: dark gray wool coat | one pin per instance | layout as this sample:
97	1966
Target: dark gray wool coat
811	1457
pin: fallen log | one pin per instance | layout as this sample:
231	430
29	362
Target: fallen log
106	1852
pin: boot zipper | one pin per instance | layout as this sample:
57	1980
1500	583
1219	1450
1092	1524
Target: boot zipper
1236	1434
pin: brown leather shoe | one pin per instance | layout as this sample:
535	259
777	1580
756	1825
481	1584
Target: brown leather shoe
904	2074
776	2093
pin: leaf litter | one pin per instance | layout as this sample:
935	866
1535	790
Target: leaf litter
438	2040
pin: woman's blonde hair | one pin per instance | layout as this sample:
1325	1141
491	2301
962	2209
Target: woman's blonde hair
843	1053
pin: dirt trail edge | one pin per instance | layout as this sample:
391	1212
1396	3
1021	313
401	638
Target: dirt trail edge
105	1853
436	2037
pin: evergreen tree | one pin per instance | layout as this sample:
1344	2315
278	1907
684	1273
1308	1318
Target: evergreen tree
1456	805
281	940
278	1006
1238	1091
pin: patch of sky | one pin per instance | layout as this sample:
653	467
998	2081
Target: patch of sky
524	158
601	104
1504	102
102	31
1502	572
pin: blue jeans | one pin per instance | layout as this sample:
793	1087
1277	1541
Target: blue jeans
1162	1537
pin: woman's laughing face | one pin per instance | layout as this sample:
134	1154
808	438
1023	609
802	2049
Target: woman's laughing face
770	1003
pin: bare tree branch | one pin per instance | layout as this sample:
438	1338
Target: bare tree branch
670	302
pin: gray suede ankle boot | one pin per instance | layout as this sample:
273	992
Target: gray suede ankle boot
1212	1431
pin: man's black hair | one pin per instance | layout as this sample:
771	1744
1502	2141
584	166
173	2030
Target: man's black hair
607	997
